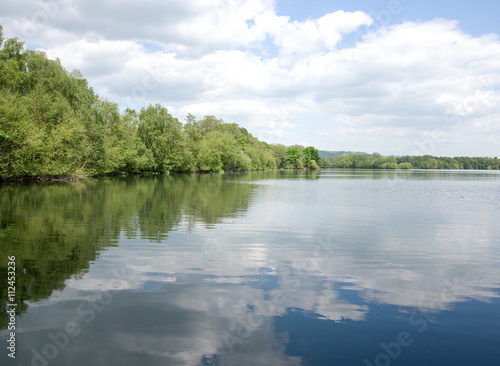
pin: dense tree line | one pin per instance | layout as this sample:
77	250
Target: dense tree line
376	161
53	124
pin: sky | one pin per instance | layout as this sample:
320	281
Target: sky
402	77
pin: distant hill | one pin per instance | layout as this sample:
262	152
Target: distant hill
327	154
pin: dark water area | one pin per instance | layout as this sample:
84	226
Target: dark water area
330	267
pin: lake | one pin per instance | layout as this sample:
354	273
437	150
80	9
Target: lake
330	267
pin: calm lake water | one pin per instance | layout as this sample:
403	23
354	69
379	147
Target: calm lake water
335	267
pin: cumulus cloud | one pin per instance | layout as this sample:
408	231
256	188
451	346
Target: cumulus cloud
311	36
240	60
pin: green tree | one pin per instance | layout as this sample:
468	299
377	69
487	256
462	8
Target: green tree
295	157
125	152
280	155
389	166
311	157
161	134
47	120
405	166
344	161
325	163
429	163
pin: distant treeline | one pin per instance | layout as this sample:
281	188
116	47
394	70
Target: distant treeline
53	124
328	154
376	161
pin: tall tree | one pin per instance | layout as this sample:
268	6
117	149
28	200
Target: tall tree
161	134
280	154
295	157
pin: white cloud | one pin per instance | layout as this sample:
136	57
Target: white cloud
239	60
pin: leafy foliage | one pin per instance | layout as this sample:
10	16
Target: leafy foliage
311	157
295	156
376	161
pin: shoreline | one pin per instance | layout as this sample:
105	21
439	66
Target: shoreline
76	178
80	177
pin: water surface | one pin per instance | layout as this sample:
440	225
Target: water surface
336	267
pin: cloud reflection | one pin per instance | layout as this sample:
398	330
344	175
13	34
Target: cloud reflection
205	296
